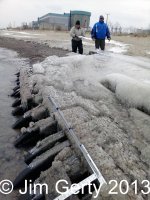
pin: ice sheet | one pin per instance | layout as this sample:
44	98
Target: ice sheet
71	72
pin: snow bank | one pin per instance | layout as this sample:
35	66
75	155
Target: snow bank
129	90
65	72
118	47
116	43
68	72
83	74
38	69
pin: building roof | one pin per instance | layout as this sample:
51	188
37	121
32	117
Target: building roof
54	14
72	12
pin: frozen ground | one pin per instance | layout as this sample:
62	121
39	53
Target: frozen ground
129	45
107	121
103	97
63	40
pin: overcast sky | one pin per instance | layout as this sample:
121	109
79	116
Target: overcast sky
126	12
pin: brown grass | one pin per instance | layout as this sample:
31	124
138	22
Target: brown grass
138	46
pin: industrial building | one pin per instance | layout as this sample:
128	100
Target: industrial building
82	16
54	21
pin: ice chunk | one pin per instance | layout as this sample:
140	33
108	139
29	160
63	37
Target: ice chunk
38	69
129	91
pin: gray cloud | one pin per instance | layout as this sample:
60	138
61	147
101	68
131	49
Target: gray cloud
127	13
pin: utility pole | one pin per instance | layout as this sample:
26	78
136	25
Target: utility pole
107	17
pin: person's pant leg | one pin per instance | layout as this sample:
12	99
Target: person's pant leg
102	44
97	43
74	46
80	47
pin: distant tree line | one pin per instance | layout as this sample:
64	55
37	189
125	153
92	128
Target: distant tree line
117	29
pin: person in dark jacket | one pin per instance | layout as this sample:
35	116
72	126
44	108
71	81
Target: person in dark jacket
77	33
99	32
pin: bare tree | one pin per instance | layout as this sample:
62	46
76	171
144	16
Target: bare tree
9	26
111	26
120	30
24	25
132	29
116	27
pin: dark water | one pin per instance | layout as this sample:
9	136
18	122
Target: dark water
11	159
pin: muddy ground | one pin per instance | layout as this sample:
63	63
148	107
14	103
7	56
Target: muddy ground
29	49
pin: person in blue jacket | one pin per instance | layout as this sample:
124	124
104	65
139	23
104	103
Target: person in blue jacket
99	32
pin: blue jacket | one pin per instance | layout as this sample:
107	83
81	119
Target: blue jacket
100	30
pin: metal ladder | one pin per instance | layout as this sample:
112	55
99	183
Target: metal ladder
96	175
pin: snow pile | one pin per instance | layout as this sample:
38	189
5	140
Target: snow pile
84	73
129	90
38	69
96	66
65	72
